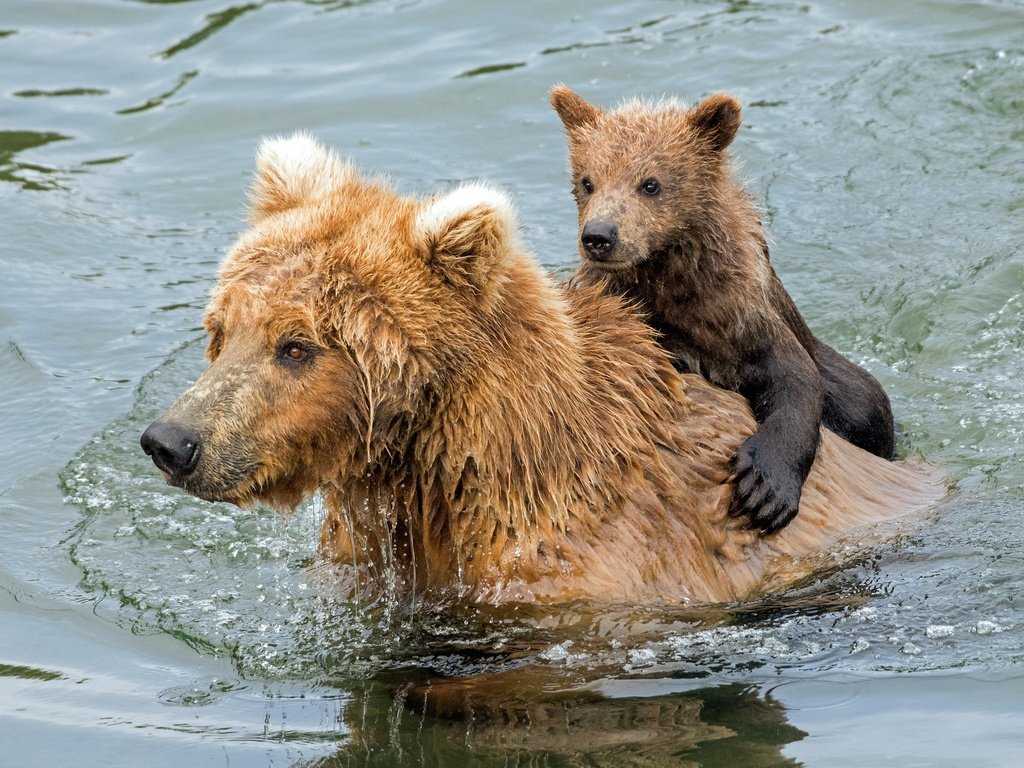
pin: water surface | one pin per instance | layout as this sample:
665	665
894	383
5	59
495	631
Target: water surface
141	626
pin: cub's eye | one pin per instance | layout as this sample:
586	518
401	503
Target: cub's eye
293	352
651	187
587	185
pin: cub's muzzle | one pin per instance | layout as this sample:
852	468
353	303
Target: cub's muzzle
599	239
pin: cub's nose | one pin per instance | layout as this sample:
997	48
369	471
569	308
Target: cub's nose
599	239
173	448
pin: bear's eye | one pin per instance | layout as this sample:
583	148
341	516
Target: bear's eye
293	352
587	185
650	187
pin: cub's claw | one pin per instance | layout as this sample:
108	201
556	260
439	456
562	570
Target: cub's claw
764	489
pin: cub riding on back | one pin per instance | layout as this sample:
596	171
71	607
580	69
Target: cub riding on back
664	223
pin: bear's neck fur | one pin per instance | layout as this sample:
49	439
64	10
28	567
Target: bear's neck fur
557	455
510	482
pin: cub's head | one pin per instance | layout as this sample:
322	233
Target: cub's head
644	174
336	324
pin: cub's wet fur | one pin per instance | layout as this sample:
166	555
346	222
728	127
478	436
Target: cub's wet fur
664	222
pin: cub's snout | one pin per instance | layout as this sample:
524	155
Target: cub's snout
599	239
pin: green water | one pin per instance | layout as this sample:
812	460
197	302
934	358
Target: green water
139	626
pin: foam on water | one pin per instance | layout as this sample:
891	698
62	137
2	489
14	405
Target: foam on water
223	579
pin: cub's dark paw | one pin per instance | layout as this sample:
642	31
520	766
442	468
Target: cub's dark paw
765	489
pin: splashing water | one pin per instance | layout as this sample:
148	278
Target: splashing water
248	585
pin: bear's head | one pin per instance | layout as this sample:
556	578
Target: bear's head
644	175
337	322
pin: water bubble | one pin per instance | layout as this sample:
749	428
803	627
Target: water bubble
860	644
558	652
984	627
772	646
939	630
642	657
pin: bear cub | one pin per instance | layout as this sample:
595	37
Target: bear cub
663	222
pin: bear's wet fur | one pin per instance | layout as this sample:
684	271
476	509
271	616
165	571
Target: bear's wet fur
476	430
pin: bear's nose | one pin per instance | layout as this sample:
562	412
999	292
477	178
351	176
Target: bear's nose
599	239
174	449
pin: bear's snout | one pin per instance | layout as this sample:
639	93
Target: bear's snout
599	239
174	449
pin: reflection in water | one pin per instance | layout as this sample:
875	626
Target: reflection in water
492	68
160	100
33	93
534	716
214	23
28	673
338	5
26	174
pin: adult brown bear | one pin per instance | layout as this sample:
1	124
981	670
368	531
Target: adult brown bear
475	428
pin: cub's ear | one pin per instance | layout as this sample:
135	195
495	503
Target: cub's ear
292	171
466	232
574	111
717	118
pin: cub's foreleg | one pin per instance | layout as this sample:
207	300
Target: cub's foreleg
787	395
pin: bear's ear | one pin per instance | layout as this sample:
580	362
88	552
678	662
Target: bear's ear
292	171
574	111
465	232
717	118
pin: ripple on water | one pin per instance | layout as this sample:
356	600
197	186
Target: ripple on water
221	579
949	276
